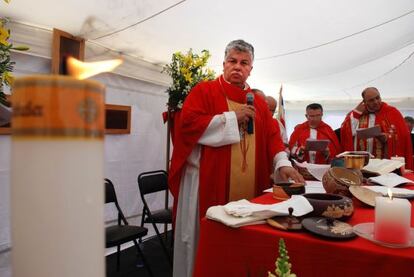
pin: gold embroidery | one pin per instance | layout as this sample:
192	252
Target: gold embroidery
242	173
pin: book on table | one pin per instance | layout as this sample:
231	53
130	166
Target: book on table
365	133
316	144
381	166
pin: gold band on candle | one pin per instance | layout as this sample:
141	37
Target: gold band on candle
57	107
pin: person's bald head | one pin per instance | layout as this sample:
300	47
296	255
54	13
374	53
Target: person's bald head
271	103
372	99
259	92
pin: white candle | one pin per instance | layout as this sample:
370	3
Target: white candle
57	190
392	220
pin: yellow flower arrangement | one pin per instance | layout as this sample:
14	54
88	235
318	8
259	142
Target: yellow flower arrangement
186	70
6	65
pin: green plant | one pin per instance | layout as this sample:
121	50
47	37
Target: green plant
186	70
282	263
6	65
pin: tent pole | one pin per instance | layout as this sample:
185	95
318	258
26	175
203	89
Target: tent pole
167	163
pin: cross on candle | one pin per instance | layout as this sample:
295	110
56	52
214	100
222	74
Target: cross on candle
392	219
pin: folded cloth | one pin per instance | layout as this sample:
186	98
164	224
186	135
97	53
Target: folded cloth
390	180
242	212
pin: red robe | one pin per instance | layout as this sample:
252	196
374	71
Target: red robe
204	101
392	123
324	131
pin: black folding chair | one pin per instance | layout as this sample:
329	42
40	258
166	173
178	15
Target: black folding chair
122	232
151	182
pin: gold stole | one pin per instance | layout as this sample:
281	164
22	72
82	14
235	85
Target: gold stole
243	160
377	147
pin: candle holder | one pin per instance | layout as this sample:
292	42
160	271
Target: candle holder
366	231
392	223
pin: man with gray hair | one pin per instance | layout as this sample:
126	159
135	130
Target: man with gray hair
216	157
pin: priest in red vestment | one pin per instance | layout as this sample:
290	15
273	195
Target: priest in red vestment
394	139
218	157
313	128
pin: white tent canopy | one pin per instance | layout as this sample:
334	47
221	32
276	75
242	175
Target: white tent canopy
320	49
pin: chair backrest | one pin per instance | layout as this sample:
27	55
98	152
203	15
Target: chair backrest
152	181
110	197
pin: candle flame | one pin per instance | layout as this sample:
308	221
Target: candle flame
389	193
82	70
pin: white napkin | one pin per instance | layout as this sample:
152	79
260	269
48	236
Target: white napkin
314	187
242	212
390	180
316	170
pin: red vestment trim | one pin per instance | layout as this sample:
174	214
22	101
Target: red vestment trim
398	144
204	101
324	131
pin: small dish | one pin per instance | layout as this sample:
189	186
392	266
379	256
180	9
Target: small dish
285	190
366	231
364	195
286	223
328	228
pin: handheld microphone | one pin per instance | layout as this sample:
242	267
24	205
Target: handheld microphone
249	101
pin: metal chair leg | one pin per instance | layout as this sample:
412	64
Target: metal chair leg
144	214
118	257
162	244
143	259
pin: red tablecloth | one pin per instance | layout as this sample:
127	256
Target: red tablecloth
252	250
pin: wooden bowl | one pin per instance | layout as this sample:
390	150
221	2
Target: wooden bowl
330	205
284	191
338	179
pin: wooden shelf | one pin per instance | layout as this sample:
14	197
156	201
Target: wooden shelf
117	119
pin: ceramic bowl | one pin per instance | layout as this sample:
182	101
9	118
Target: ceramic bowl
338	179
330	205
284	191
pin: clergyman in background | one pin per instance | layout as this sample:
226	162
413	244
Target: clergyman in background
272	104
313	128
394	139
409	121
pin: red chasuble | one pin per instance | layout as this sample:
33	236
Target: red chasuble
392	124
324	131
204	101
